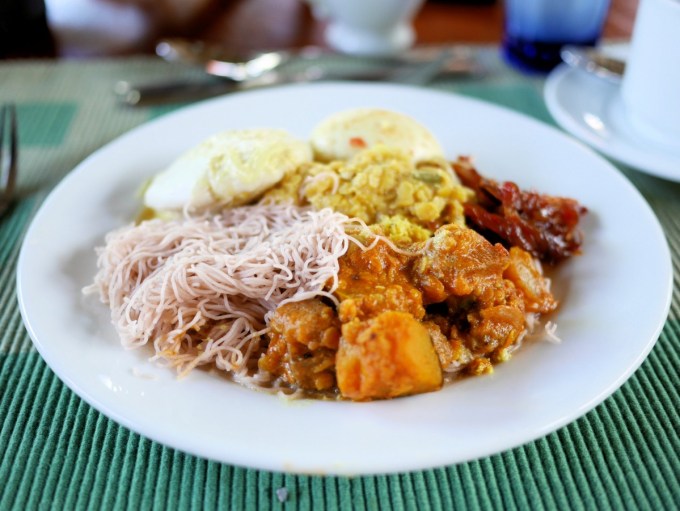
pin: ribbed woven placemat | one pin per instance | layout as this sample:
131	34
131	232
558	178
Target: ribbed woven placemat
56	452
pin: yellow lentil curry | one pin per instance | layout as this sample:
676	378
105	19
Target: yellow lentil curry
382	186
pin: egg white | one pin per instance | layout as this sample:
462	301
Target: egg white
344	134
229	168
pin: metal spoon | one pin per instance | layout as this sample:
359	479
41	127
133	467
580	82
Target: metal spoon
213	59
218	61
594	62
226	73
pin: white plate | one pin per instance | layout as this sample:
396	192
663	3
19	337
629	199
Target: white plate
591	109
544	387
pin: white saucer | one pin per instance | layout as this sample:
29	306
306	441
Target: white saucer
590	108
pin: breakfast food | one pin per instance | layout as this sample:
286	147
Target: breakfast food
374	276
345	134
227	169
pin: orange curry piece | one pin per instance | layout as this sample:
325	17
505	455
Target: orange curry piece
303	340
456	302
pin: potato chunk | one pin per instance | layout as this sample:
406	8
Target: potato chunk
387	356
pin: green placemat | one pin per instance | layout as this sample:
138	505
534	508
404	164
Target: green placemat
56	452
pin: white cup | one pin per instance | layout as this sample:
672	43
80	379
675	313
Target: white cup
369	27
651	84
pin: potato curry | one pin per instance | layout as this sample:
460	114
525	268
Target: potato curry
428	299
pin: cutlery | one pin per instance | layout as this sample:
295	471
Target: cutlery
9	163
594	62
229	67
152	94
217	60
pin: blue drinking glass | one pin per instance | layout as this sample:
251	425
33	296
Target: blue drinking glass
536	30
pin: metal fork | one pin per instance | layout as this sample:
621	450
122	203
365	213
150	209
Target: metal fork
9	163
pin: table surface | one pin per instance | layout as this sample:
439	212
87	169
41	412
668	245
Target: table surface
58	452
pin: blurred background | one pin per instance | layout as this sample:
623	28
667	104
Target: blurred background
94	28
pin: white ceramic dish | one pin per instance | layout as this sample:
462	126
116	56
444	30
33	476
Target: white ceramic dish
544	387
592	110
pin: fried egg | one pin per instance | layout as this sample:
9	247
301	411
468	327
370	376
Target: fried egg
342	135
229	168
